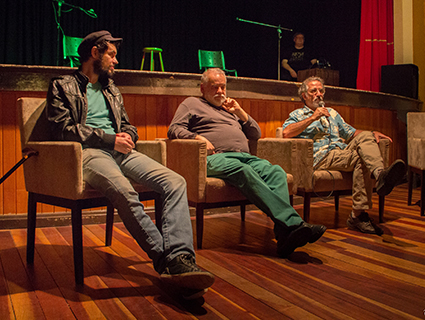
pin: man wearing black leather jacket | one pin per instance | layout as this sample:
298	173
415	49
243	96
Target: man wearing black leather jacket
88	108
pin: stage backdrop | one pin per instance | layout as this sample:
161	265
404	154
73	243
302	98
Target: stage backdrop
180	28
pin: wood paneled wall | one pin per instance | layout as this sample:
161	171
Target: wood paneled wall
151	99
152	114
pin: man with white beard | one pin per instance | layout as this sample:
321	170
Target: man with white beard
225	127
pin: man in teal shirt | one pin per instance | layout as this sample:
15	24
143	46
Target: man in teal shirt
87	107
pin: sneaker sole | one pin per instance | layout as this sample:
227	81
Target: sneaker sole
190	280
298	238
395	174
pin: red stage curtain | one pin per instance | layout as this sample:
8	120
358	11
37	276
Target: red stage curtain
376	42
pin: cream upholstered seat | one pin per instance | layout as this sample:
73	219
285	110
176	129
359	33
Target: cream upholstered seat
55	177
189	159
416	152
321	183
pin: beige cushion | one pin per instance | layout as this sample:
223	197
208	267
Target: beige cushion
416	139
57	170
188	158
323	181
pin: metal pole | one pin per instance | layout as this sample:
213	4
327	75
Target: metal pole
279	36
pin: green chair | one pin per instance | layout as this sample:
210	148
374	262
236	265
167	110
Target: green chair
213	59
152	51
70	50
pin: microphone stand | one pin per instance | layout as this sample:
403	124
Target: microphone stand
59	28
26	153
279	37
61	34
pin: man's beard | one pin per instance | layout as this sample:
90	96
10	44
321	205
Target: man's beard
99	70
221	96
316	102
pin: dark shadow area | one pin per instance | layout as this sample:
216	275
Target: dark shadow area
114	270
180	28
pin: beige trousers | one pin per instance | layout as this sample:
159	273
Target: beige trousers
362	157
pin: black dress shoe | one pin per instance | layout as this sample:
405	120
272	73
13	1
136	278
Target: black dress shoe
317	231
390	177
295	239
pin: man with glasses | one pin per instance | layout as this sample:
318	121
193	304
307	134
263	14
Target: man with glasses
339	146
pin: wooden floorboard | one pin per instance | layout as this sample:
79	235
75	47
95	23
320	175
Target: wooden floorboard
344	275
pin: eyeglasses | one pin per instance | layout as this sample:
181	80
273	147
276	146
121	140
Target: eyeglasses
315	90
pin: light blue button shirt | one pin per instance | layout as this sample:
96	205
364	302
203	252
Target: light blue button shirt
327	133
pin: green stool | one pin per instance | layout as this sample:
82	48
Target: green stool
152	51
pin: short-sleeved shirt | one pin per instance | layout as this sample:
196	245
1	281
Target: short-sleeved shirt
98	115
298	59
327	133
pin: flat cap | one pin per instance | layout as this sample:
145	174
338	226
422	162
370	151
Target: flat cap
95	38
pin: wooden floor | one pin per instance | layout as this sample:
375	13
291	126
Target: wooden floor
345	275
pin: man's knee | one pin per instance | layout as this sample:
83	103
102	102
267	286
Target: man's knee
246	169
176	179
366	136
277	171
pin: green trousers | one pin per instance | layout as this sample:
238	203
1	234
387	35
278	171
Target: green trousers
259	181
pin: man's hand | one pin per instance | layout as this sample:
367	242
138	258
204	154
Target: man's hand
320	112
123	143
379	135
293	73
210	147
294	129
232	106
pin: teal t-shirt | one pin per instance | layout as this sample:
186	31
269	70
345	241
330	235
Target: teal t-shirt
98	115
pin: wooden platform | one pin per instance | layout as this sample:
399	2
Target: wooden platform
151	99
345	275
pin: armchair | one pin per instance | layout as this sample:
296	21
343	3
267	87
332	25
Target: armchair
321	183
55	177
416	152
189	159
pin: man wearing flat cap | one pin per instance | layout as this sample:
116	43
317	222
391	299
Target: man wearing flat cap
87	107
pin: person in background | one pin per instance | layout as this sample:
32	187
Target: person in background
296	58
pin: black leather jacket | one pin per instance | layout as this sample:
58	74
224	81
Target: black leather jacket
67	112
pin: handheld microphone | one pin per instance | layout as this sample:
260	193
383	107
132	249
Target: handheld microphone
321	102
324	119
